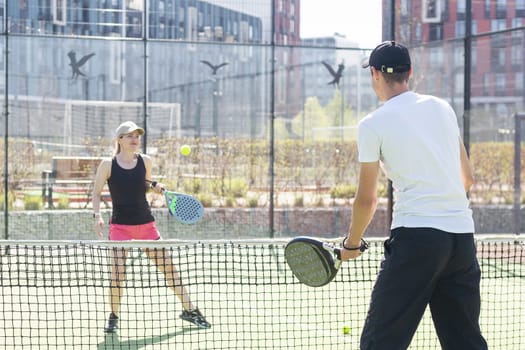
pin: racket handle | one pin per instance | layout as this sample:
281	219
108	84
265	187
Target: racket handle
336	251
153	184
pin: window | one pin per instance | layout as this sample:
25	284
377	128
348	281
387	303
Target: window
487	8
431	11
518	83
517	22
418	33
498	57
498	24
462	6
501	5
405	7
435	32
516	55
500	83
460	29
520	8
486	83
59	12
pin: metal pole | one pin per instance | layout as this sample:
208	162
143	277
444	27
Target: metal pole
145	35
6	124
517	175
272	125
390	189
467	75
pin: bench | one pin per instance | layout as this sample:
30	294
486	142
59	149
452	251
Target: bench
72	178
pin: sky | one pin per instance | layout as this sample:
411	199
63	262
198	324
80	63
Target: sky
359	20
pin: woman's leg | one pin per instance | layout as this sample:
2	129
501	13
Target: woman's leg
118	276
162	259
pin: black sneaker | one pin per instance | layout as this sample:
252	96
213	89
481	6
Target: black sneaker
194	316
112	324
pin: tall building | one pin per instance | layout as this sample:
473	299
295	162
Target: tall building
190	20
497	59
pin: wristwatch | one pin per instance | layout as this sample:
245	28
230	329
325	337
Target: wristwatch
96	215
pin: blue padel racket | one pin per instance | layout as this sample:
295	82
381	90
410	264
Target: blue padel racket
185	208
314	262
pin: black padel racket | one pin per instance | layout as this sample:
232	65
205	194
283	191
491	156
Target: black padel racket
312	261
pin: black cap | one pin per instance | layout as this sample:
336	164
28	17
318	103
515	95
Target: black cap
389	57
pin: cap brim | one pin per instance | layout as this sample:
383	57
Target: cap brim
129	131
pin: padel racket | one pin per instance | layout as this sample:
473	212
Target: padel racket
314	262
185	208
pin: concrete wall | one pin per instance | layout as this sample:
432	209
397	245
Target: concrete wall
233	223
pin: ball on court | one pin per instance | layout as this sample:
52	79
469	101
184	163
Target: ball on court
185	150
346	330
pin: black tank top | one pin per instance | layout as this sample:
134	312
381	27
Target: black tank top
128	193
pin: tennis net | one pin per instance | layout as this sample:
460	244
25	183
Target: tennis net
55	295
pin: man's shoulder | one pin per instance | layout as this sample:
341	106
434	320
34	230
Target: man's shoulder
433	98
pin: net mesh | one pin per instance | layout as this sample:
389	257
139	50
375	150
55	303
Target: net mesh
55	295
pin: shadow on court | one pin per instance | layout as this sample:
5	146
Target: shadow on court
112	341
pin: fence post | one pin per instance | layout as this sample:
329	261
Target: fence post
517	172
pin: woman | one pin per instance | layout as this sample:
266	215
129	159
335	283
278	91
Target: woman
128	175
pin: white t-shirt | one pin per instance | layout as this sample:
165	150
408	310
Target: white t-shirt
416	138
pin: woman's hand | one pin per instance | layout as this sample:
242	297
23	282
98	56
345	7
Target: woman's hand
99	225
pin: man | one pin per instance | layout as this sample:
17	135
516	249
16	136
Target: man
430	257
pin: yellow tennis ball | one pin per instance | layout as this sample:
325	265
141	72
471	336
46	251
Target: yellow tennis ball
185	150
346	330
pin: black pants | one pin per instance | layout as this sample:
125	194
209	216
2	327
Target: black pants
425	266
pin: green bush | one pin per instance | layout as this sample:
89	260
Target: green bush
205	199
10	200
253	202
32	202
63	203
229	202
493	167
298	201
192	185
343	191
236	188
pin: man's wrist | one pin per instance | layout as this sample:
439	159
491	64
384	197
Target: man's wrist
362	246
96	215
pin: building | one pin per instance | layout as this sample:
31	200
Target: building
355	83
497	55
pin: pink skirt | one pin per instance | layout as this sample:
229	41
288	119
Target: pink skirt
129	232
